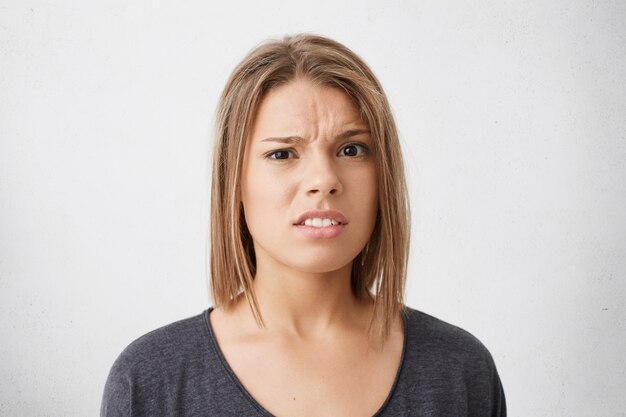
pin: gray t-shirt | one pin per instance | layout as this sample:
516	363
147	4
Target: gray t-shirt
179	370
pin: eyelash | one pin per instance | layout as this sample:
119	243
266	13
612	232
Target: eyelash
364	151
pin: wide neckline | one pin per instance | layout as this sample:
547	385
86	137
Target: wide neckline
253	402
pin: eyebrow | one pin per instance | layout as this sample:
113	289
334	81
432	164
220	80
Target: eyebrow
299	139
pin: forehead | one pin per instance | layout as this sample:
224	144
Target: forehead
302	106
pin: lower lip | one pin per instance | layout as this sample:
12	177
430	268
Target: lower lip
326	232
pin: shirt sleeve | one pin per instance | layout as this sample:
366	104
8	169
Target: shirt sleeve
499	400
116	399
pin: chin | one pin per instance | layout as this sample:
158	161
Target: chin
312	259
318	268
320	263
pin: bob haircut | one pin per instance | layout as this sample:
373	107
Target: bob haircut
379	270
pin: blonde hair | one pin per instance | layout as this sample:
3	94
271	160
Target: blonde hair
381	265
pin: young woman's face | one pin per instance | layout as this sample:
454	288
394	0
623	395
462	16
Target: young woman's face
309	156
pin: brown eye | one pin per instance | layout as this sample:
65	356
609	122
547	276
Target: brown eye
353	149
281	154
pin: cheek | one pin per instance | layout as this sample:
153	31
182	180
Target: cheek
366	186
264	198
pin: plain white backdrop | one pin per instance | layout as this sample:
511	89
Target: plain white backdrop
512	117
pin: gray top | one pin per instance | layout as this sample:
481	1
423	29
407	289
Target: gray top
179	370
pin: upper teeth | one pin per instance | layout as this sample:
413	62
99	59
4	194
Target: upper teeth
317	222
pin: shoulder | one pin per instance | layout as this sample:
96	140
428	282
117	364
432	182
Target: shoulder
446	370
160	346
154	362
431	333
443	348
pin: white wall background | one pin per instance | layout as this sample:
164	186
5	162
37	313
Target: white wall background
513	120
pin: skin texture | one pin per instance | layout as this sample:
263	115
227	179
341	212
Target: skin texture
315	342
322	172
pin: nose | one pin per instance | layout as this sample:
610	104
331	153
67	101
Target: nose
322	177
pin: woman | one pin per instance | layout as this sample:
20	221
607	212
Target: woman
309	246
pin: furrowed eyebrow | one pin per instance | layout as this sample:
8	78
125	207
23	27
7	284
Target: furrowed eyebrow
288	139
350	133
298	139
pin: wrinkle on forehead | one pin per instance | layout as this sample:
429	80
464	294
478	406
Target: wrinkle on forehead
305	108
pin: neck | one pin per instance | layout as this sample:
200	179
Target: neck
306	304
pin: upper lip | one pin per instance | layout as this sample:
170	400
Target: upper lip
322	214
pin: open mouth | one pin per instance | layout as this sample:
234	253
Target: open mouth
320	222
